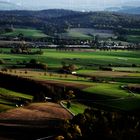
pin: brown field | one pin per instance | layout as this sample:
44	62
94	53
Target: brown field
31	122
36	112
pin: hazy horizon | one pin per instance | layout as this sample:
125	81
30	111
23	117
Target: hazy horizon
72	4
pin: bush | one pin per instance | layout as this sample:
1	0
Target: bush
1	51
105	68
68	68
42	66
2	61
33	61
39	52
4	69
35	64
134	65
95	79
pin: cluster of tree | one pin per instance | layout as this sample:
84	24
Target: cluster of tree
6	30
98	124
105	68
36	64
68	68
96	79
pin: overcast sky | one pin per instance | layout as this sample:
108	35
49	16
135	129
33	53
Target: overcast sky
80	4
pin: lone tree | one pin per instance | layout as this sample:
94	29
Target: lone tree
70	94
68	104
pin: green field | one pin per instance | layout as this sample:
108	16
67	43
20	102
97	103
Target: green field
133	38
5	92
88	64
107	89
76	107
9	99
33	33
54	58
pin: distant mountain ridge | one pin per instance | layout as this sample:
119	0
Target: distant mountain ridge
129	6
125	9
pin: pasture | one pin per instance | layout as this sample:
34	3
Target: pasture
33	33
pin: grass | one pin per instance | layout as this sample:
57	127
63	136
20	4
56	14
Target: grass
127	79
76	107
109	90
9	99
133	38
116	76
116	97
129	104
5	92
5	107
33	33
